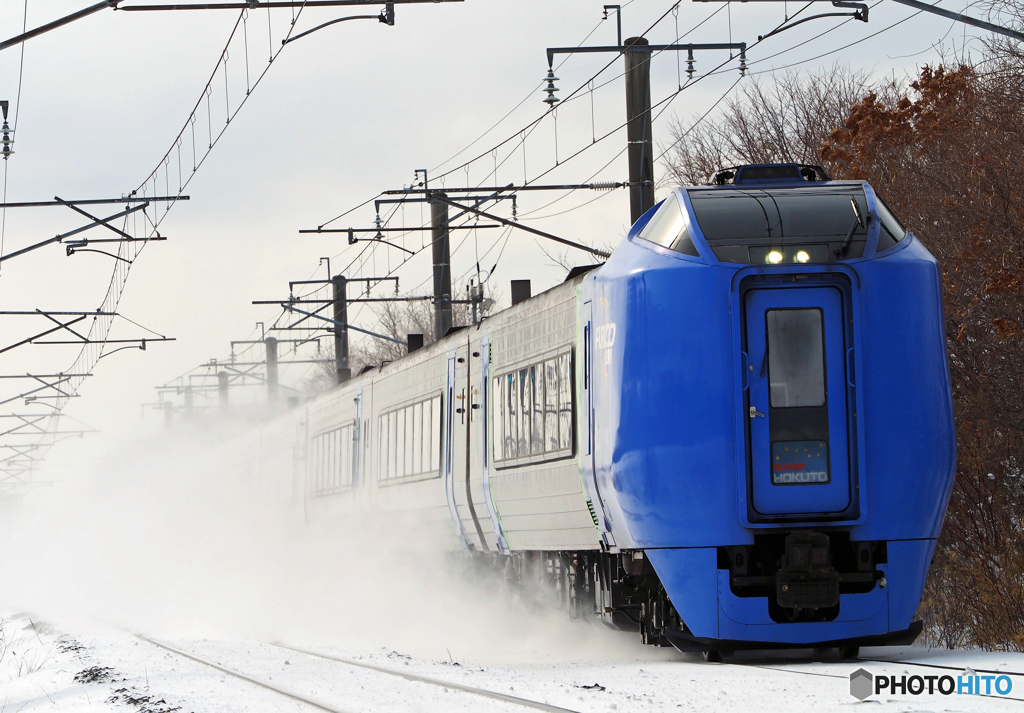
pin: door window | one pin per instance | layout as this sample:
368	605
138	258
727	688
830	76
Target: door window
796	357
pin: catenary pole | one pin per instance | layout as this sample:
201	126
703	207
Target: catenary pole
441	251
638	128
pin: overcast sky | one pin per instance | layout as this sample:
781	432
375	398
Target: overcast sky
341	115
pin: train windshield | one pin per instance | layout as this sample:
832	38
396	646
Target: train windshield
758	225
667	228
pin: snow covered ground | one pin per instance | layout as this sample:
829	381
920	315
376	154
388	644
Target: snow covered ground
78	665
160	541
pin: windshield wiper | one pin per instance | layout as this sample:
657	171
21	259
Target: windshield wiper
859	223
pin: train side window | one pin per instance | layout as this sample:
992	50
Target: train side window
393	445
410	441
435	434
417	442
667	228
550	405
533	412
564	403
537	434
891	230
525	406
333	460
513	415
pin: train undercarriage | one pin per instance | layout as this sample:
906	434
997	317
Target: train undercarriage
802	575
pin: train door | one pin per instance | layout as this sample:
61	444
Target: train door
797	408
480	408
586	426
466	496
453	441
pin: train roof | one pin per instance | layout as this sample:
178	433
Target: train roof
771	214
769	174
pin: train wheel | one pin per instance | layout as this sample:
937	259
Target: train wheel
849	652
713	656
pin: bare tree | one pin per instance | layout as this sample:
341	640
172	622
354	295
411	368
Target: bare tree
783	121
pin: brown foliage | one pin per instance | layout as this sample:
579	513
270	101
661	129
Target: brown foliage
947	157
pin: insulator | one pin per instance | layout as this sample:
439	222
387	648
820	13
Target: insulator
604	186
551	99
743	63
689	64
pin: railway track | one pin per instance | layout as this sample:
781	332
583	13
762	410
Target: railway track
494	695
333	708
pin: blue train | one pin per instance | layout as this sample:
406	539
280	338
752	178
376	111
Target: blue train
737	433
772	413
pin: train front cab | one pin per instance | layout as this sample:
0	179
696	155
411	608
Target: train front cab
832	531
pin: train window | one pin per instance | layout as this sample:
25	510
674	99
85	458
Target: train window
417	444
782	221
410	441
550	405
533	413
796	363
525	401
667	228
564	404
333	459
891	230
733	215
814	214
537	436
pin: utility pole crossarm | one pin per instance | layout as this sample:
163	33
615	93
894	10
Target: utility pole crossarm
438	196
647	49
76	231
338	324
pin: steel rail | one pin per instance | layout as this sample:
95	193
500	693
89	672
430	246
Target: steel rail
434	681
255	681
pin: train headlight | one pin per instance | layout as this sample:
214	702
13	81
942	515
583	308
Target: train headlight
802	256
774	257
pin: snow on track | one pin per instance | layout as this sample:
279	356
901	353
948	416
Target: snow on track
263	684
436	682
86	668
340	686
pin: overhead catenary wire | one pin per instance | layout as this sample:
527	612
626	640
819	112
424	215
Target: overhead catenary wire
99	330
523	133
532	127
